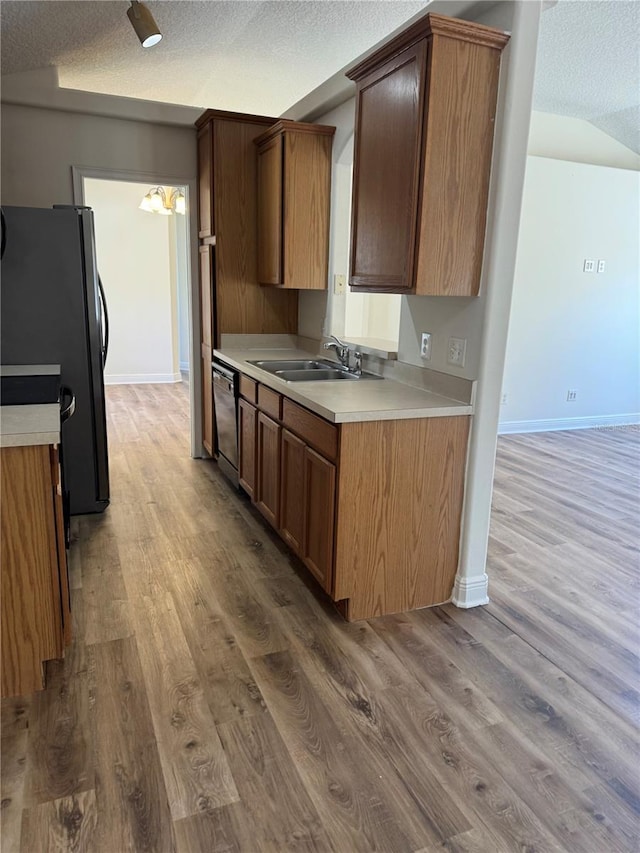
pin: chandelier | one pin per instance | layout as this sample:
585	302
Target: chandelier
164	200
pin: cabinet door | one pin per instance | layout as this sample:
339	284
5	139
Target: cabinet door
270	157
320	494
247	422
387	158
292	493
205	182
268	484
62	574
208	428
207	327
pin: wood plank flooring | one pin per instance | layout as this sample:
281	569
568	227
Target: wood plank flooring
213	700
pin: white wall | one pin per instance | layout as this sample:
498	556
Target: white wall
566	138
182	266
40	146
134	259
570	329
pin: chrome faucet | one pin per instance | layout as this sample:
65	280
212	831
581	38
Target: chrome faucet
342	349
343	352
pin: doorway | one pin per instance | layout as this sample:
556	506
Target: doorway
143	264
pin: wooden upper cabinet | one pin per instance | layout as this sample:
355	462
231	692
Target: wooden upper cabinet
294	189
206	225
270	211
387	172
425	114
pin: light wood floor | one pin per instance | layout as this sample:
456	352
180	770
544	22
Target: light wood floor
213	700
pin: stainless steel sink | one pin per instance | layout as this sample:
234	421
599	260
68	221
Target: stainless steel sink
310	370
315	375
294	364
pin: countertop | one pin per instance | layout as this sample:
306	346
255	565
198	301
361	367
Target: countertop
21	426
346	402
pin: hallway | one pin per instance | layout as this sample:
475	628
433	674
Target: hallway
213	699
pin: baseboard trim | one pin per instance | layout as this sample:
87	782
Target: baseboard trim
470	592
552	424
184	367
141	378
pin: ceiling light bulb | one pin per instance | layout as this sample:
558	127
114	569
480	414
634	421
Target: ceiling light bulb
146	203
157	202
181	204
143	23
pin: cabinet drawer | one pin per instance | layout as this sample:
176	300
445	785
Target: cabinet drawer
270	402
248	388
320	434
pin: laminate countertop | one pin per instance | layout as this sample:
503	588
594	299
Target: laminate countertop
21	426
346	402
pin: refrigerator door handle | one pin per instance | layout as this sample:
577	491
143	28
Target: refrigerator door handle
105	323
68	403
3	246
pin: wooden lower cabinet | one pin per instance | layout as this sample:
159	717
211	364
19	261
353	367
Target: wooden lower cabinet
292	480
319	514
247	431
208	428
35	587
377	523
268	457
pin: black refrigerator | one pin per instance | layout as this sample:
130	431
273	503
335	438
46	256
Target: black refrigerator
53	311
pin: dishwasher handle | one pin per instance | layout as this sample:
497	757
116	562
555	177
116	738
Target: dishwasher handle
223	370
223	382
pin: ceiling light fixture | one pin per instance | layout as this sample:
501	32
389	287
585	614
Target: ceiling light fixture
143	23
164	200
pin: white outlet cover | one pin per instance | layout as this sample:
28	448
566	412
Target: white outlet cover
425	346
589	265
457	351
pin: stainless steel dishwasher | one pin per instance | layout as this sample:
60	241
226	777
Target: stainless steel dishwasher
225	398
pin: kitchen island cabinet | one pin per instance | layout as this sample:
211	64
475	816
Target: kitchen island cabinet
36	620
425	114
372	508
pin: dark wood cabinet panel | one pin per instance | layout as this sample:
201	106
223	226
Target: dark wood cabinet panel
268	484
425	116
205	182
247	425
292	482
320	496
270	212
387	172
208	422
206	295
294	187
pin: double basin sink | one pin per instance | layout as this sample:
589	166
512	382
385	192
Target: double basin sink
310	370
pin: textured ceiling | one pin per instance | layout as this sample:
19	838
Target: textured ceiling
588	65
242	55
265	55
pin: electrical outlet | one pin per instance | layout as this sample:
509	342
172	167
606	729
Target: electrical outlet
457	351
339	284
425	346
572	395
589	265
504	399
601	265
